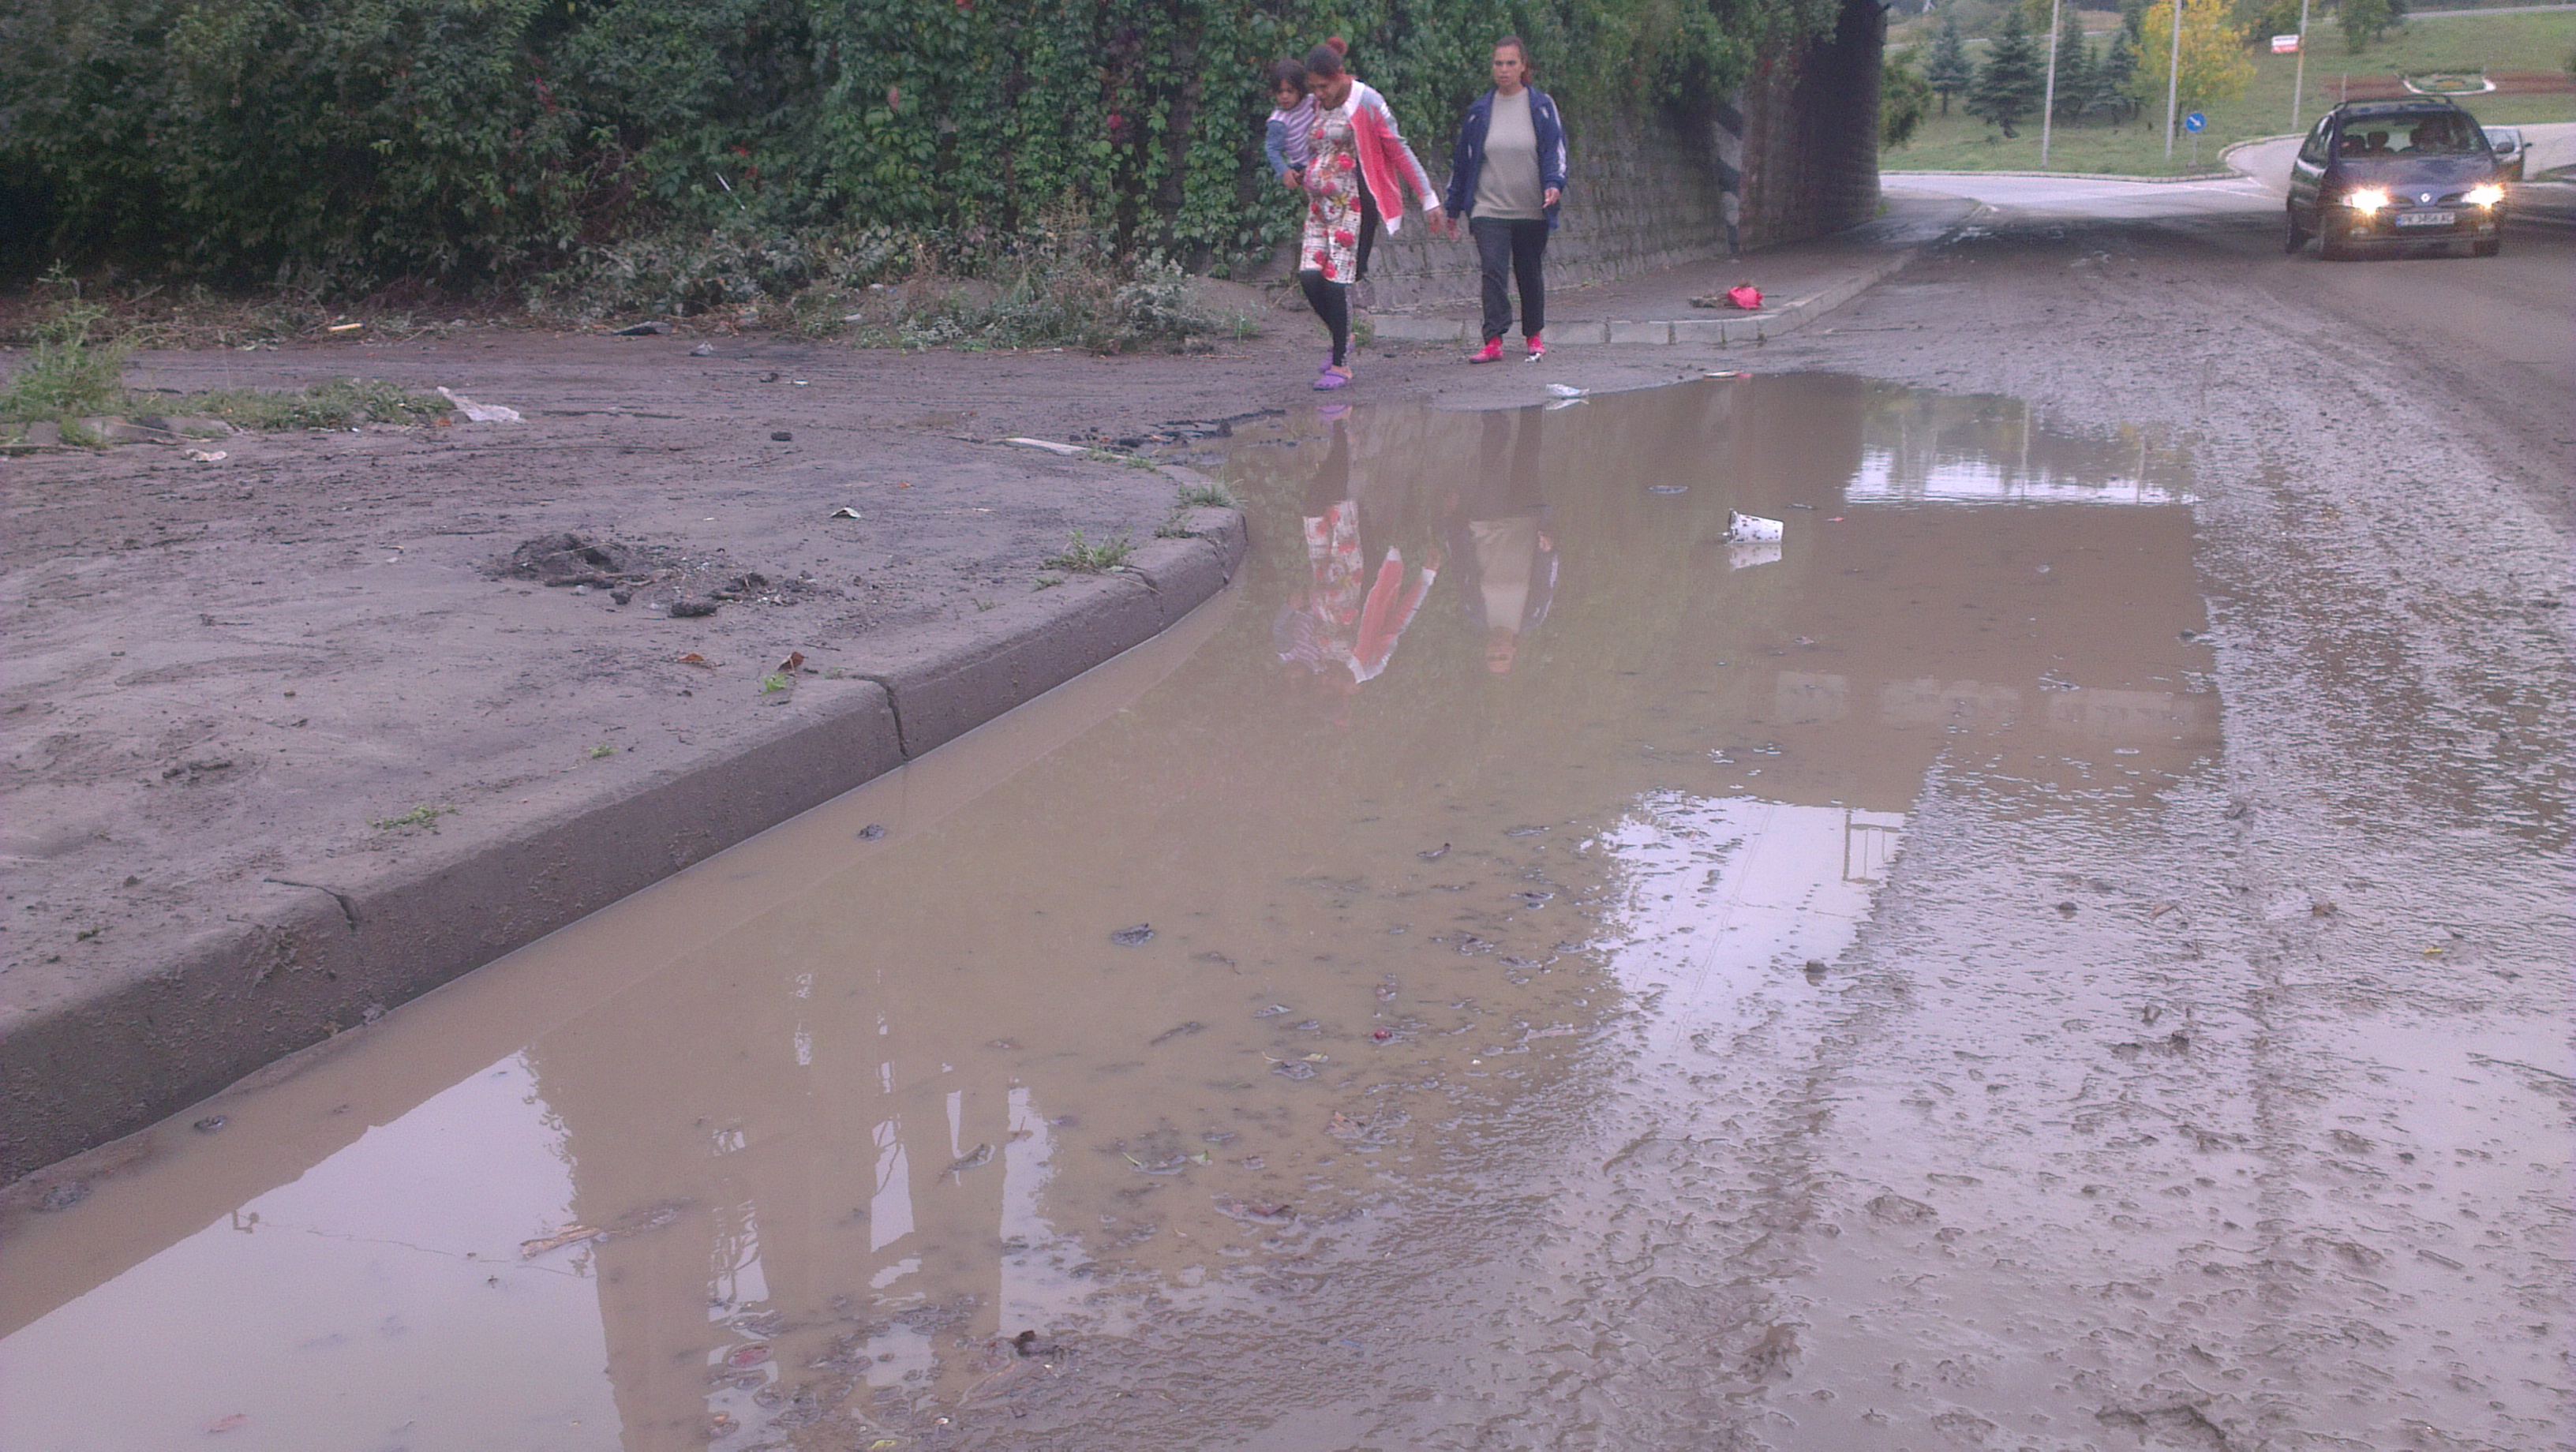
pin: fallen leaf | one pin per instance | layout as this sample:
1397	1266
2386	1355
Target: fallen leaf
695	659
795	662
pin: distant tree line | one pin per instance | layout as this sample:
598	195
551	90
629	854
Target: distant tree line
2111	81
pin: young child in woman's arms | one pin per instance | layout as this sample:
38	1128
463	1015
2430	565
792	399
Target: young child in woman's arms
1292	115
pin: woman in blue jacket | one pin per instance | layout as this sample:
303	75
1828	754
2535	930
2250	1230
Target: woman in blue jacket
1506	179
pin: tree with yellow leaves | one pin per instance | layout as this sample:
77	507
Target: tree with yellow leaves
2214	64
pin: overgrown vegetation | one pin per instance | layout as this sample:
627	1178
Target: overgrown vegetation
76	370
67	374
695	155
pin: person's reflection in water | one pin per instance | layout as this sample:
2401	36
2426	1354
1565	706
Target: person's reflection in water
1338	636
1498	523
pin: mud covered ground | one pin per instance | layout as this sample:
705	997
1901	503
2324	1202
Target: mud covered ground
234	671
2235	1115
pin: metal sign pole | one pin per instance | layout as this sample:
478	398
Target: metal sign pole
2173	83
2048	104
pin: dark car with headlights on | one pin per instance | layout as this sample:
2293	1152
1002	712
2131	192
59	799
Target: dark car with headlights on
2395	174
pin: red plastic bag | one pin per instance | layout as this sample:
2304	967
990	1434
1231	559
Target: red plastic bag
1746	296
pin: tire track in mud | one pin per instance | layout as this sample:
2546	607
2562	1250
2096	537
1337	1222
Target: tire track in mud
2392	869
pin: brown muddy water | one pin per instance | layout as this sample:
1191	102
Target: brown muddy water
1394	1009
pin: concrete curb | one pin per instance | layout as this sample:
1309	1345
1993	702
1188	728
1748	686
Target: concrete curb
1720	329
349	940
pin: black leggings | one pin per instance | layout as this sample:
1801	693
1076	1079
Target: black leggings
1368	231
1331	302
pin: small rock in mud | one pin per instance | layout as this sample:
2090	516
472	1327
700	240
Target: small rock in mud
209	1124
872	831
1182	1030
1135	937
781	436
1435	854
1254	1213
2066	909
692	609
1029	1343
1273	1011
1771	1356
1897	1210
569	559
1295	1069
71	1192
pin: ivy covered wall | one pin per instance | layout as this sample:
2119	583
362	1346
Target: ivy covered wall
350	142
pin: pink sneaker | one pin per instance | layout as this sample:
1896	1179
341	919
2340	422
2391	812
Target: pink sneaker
1537	345
1492	352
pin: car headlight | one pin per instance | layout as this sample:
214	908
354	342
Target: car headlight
2485	194
2368	199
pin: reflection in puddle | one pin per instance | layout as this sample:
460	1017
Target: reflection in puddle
1232	1031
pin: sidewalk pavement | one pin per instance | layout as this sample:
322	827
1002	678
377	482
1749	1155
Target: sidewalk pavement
1800	282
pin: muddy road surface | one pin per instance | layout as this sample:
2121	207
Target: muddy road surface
2063	950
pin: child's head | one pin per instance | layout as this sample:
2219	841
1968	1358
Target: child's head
1287	83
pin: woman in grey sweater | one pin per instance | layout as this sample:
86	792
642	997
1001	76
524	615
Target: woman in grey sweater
1506	178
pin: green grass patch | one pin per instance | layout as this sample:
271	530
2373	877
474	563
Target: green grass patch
423	815
1083	557
75	369
2491	43
339	404
68	373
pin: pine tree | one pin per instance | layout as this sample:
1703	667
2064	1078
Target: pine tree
2074	72
2010	86
1948	71
2116	76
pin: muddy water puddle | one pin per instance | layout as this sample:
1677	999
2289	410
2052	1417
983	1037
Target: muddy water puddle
1260	1043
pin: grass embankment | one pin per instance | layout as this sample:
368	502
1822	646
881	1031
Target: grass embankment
2492	43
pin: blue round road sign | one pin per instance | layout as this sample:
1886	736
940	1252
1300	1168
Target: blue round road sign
2195	122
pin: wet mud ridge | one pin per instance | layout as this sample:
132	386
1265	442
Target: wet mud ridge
293	735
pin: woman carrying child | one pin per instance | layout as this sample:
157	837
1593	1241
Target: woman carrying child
1354	147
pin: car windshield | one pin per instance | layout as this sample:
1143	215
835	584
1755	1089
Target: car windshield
2437	134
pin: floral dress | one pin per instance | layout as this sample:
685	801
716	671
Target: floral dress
1333	181
1332	237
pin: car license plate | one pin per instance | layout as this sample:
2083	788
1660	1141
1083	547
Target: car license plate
2426	219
